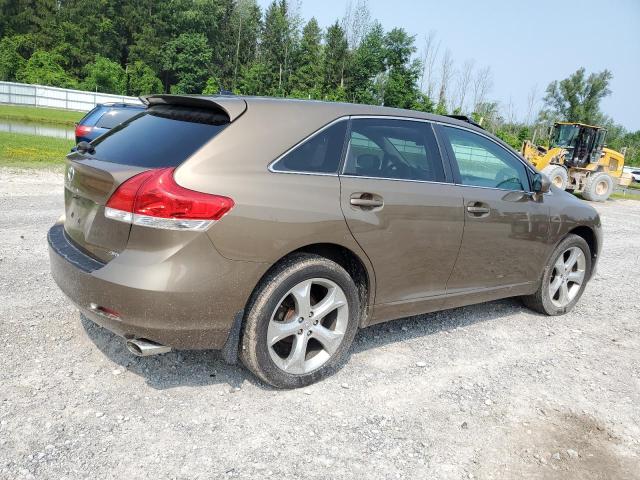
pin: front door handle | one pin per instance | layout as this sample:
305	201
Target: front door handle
478	209
366	200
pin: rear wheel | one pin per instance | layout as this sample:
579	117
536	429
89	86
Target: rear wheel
558	175
598	187
300	322
564	278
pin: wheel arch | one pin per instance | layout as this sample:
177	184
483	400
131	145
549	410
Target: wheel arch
356	267
589	236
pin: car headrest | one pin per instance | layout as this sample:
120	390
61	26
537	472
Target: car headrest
367	163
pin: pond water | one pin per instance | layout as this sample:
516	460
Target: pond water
42	130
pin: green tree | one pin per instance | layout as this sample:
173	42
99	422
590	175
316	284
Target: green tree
92	28
45	68
28	17
10	59
252	80
401	89
486	114
423	103
148	47
188	59
276	45
335	59
577	98
367	61
306	78
212	87
142	80
104	75
246	23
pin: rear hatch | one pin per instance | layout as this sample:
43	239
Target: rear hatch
164	135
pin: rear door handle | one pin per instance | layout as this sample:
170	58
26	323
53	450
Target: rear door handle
366	200
363	202
478	209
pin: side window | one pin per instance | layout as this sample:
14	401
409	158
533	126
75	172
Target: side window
401	149
319	154
483	163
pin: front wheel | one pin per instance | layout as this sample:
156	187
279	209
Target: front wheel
300	322
598	187
564	278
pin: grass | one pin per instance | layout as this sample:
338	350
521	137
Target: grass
50	116
31	151
635	186
625	196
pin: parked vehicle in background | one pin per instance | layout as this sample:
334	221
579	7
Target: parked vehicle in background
274	229
102	118
634	172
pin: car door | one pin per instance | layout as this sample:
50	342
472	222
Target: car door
401	210
506	226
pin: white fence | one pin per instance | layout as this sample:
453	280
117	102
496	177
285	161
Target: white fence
54	97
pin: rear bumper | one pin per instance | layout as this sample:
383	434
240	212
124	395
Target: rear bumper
185	299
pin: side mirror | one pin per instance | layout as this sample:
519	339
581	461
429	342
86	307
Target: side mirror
541	183
85	147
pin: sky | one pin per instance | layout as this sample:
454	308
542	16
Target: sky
527	44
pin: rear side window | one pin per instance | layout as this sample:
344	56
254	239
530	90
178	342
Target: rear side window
114	117
161	136
393	149
319	154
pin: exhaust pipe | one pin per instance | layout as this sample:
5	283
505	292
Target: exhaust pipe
145	348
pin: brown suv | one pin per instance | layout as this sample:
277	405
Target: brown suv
277	228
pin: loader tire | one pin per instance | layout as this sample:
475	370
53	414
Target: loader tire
598	187
558	175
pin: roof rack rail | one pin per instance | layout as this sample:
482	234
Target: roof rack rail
464	118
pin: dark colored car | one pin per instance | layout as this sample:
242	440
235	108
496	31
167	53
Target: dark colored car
102	118
274	229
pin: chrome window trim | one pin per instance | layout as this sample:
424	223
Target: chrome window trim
438	183
395	179
271	166
398	117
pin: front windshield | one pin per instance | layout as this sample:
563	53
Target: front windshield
565	136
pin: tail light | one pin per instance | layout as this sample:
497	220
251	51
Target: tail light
82	130
154	199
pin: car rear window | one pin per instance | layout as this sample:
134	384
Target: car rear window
161	136
114	117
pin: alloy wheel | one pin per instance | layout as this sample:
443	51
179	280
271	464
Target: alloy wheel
308	326
567	277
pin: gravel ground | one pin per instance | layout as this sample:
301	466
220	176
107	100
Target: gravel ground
488	391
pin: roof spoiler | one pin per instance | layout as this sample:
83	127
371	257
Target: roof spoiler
232	106
464	118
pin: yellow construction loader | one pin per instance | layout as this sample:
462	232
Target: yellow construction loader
578	160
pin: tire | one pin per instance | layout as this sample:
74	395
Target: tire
543	301
558	175
598	187
278	310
